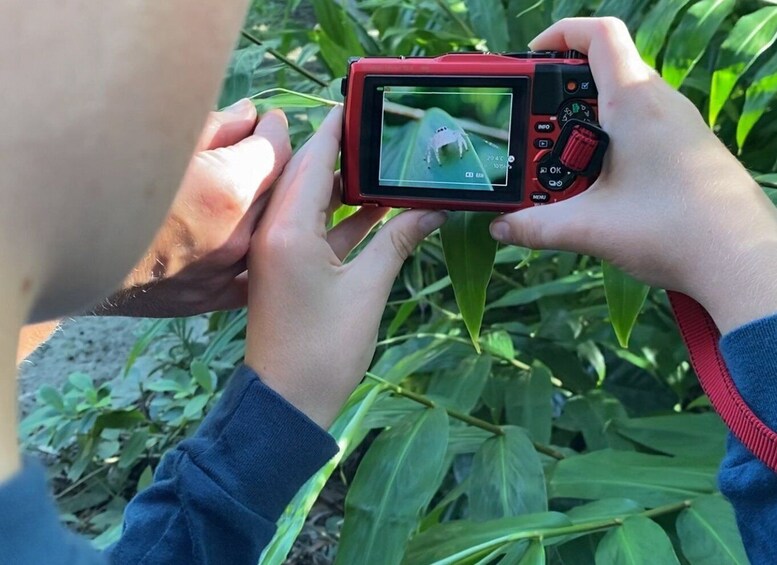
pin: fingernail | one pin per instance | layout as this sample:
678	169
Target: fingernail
500	231
238	107
431	221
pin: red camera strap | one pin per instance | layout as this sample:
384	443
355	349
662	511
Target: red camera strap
701	337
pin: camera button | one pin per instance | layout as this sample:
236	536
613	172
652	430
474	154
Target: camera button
543	143
540	197
544	127
553	175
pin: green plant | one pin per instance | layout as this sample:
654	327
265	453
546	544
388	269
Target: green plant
569	432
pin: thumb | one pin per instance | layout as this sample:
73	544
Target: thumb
564	226
228	126
395	241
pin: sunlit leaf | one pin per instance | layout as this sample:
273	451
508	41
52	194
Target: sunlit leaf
751	36
625	298
692	37
758	97
489	21
654	28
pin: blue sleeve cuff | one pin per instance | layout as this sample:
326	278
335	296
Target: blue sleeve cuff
258	447
750	357
29	523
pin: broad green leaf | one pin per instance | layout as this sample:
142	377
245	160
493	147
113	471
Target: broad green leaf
654	28
337	38
401	361
528	402
639	541
752	35
146	478
577	282
346	428
708	533
689	435
691	38
131	450
405	462
567	9
193	408
460	388
452	542
81	381
489	21
403	313
650	480
240	74
140	346
500	344
466	439
757	99
604	509
592	414
507	478
535	555
516	551
525	20
625	298
51	396
629	11
469	254
202	375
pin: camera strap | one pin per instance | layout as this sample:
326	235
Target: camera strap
701	337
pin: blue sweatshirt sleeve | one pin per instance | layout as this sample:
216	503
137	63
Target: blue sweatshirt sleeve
749	353
215	497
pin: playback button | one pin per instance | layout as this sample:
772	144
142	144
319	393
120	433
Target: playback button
553	175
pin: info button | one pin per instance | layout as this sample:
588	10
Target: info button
544	127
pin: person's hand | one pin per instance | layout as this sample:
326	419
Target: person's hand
672	206
313	318
197	261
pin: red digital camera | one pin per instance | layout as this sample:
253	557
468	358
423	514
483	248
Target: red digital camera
470	131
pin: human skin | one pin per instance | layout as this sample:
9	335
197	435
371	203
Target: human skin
101	122
672	206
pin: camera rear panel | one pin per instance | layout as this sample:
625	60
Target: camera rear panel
464	131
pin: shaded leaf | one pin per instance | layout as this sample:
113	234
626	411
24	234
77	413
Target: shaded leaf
134	447
577	282
489	21
690	435
709	535
405	461
650	480
528	402
507	478
202	375
639	541
460	388
591	414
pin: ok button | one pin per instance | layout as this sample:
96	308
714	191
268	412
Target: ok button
544	127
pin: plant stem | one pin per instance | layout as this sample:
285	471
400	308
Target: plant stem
456	415
283	59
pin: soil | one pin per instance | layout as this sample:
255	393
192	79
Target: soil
91	345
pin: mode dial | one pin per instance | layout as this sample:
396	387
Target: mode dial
576	110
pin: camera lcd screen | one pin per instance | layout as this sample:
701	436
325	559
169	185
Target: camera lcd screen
445	137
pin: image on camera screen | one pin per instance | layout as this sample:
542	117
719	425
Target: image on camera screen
446	137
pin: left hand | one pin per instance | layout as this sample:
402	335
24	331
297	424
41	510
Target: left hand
197	261
313	318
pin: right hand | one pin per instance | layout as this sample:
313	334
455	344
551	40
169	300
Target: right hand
672	206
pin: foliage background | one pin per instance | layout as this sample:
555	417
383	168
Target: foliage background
554	444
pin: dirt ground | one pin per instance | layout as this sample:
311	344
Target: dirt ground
91	345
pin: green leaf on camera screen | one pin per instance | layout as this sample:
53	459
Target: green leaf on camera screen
752	35
469	253
404	463
507	478
638	541
691	38
708	533
625	298
758	98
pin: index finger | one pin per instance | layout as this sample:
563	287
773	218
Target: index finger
612	55
303	195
